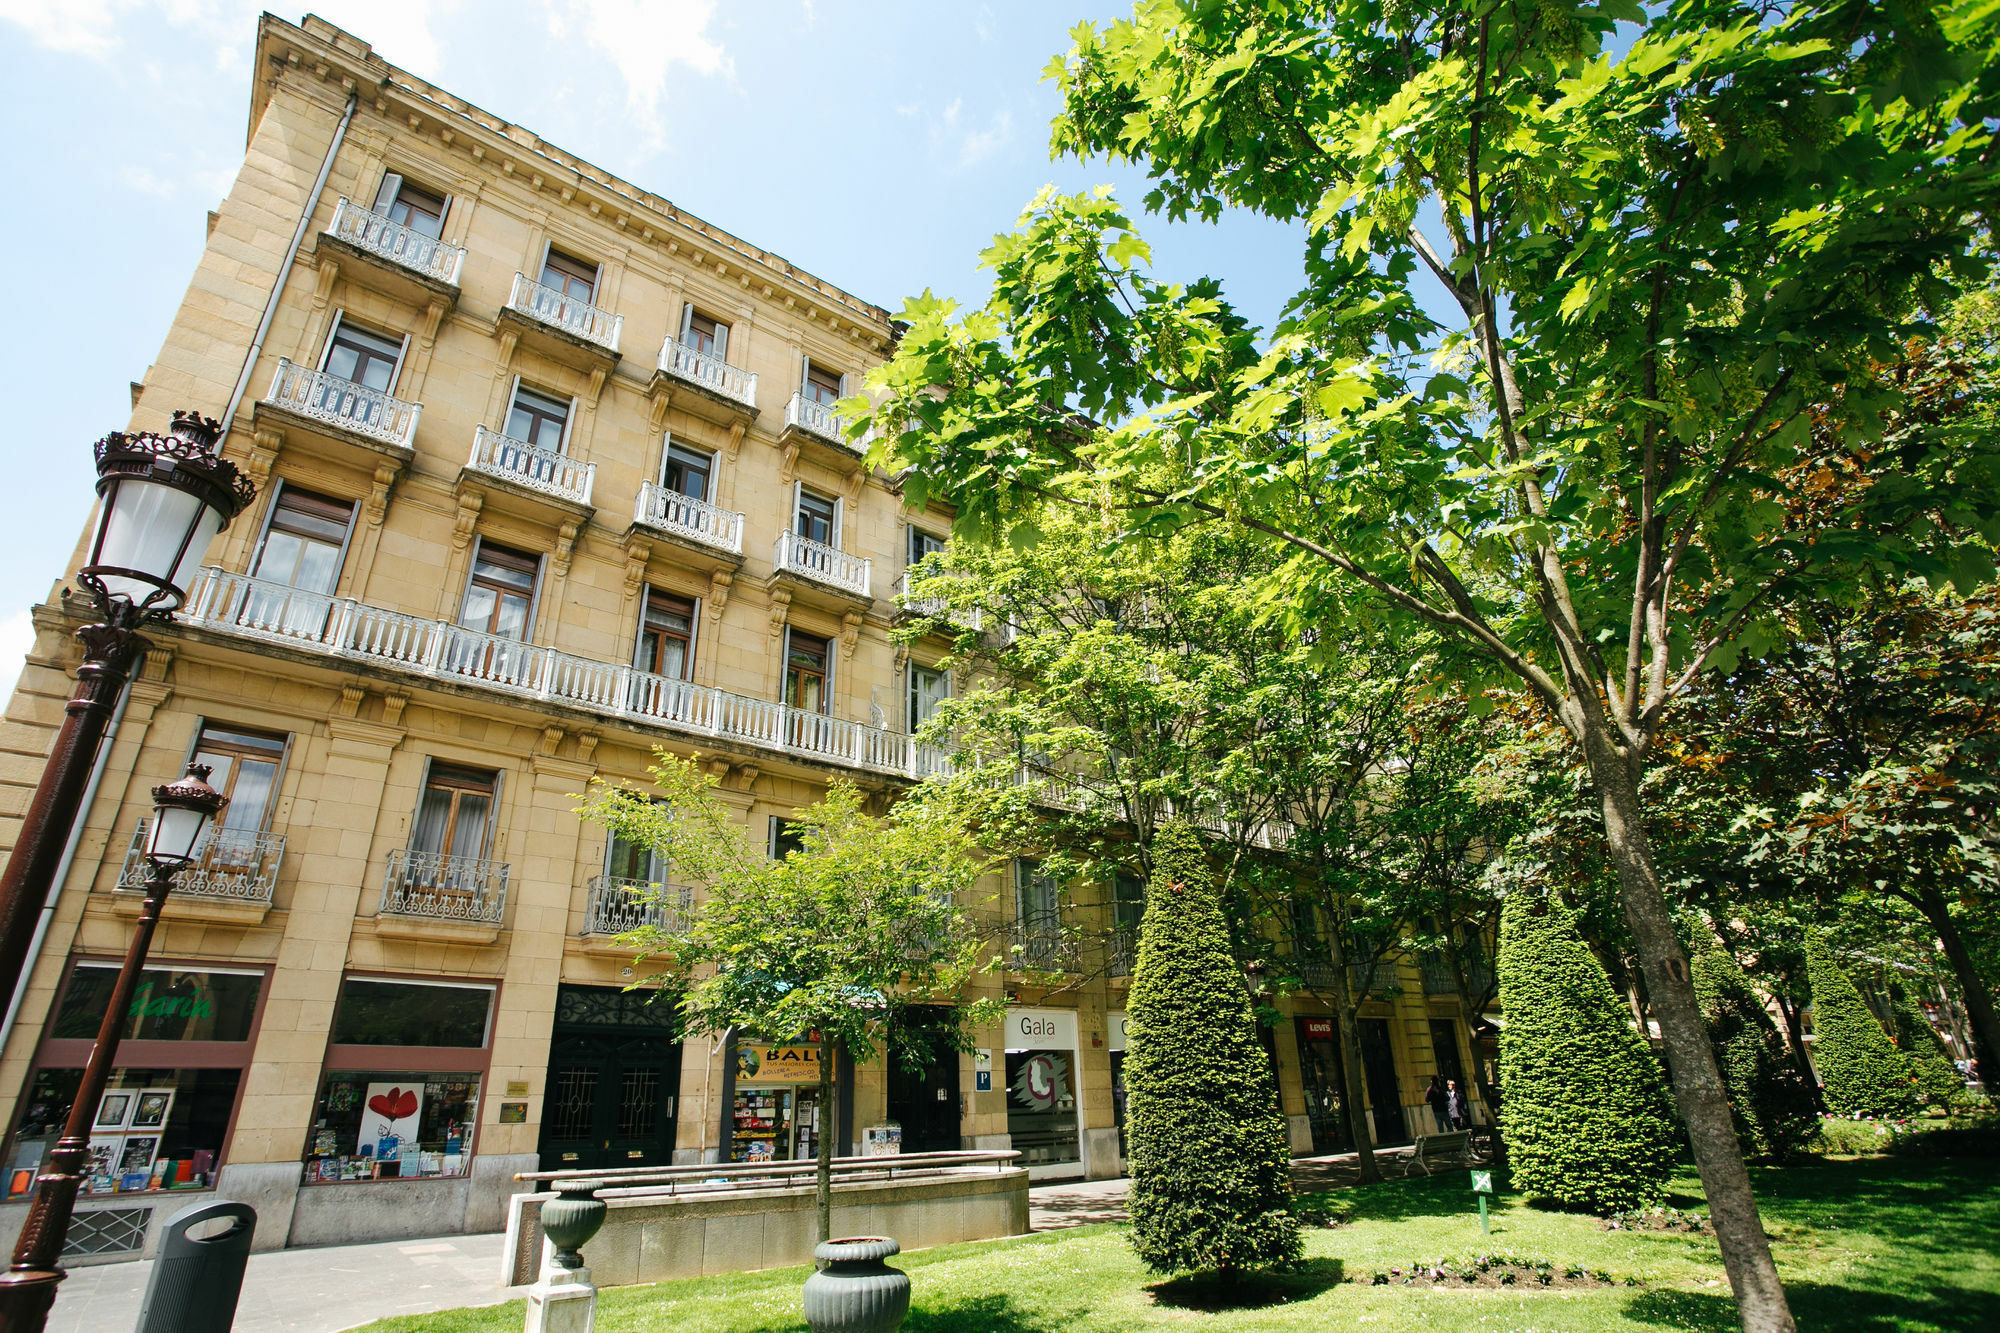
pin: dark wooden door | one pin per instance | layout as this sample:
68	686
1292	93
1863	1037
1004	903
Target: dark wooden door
924	1100
1378	1066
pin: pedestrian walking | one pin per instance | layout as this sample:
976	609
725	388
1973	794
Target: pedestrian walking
1454	1104
1439	1103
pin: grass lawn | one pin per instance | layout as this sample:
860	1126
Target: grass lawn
1874	1243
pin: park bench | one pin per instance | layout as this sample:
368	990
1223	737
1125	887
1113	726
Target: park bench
1429	1148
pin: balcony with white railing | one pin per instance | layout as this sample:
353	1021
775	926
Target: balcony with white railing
934	608
709	371
815	418
564	313
371	233
231	865
531	467
344	405
618	906
693	520
352	632
437	886
823	564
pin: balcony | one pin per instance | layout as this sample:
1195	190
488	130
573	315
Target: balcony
618	906
1122	951
362	414
237	868
357	635
723	393
438	887
560	321
819	563
934	608
1036	943
544	472
813	430
688	520
409	258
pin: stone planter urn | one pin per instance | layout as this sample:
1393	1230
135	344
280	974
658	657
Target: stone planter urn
856	1292
571	1219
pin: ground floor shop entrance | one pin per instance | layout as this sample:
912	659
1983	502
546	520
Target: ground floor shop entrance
1042	1091
923	1093
1325	1087
1385	1097
614	1073
774	1112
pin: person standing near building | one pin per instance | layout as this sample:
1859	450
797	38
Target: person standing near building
1454	1104
1434	1095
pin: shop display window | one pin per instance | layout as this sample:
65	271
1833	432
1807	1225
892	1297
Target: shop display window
1041	1107
377	1012
775	1125
170	1004
392	1126
153	1129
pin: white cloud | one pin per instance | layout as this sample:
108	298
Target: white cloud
84	27
645	40
17	636
97	29
981	144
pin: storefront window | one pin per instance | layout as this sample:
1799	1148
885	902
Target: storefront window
154	1129
1042	1086
375	1012
387	1126
170	1004
775	1116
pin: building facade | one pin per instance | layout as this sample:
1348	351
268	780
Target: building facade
548	476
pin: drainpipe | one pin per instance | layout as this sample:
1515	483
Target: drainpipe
68	858
285	270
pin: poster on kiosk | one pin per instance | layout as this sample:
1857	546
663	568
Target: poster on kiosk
1042	1092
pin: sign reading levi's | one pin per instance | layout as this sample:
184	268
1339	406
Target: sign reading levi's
1317	1029
777	1064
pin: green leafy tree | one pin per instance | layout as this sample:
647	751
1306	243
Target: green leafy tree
1775	1114
1211	1174
1585	1117
1862	1072
840	940
1661	265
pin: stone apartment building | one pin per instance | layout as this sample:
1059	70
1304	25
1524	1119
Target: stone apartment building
547	476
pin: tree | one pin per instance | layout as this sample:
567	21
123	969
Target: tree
1585	1118
842	939
1862	1071
1775	1115
1211	1173
1661	267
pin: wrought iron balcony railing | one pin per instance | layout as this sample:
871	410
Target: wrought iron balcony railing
1122	951
1438	976
559	310
343	403
443	887
685	516
934	608
233	865
709	371
368	230
528	465
816	418
1037	943
617	906
821	563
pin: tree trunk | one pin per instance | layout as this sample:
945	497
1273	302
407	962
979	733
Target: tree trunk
1348	1027
823	1140
1697	1083
1471	1022
1978	999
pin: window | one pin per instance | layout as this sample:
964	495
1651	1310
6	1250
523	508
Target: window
817	518
705	335
418	209
245	769
928	689
571	276
362	357
454	813
1034	894
379	1012
821	384
625	859
786	836
303	543
666	636
501	592
923	543
687	471
1128	903
538	419
806	659
170	1004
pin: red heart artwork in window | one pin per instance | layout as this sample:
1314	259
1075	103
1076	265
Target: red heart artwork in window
395	1104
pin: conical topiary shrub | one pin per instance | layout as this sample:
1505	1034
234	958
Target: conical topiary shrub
1860	1070
1930	1064
1583	1110
1775	1116
1211	1170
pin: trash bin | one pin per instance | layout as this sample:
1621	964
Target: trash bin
196	1281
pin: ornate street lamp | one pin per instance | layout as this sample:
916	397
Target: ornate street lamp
161	498
182	814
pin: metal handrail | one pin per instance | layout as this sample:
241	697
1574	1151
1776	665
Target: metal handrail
626	1180
532	466
343	403
698	520
365	229
793	554
562	311
709	371
233	865
444	887
617	905
816	418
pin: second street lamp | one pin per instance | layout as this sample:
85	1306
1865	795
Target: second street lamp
182	814
161	499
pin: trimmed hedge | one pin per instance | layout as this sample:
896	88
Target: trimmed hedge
1860	1070
1773	1107
1929	1061
1584	1111
1210	1162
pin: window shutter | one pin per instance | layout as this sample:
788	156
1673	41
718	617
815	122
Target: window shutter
694	641
569	424
392	185
513	392
687	322
805	372
797	488
443	214
402	359
844	390
542	264
596	283
332	332
721	342
839	509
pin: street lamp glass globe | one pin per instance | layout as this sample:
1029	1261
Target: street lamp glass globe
182	812
162	498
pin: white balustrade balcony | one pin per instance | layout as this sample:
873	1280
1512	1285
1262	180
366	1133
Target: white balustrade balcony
934	608
443	887
365	229
559	310
802	413
821	563
528	465
684	516
344	404
618	906
709	371
230	865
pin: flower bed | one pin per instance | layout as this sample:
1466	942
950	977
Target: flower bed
1492	1272
1656	1219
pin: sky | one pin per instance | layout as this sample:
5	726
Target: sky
878	145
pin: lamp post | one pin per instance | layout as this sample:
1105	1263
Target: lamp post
162	497
182	814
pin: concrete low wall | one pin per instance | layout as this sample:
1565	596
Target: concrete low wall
653	1237
14	1216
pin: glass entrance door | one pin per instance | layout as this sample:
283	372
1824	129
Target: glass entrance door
610	1102
1325	1086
